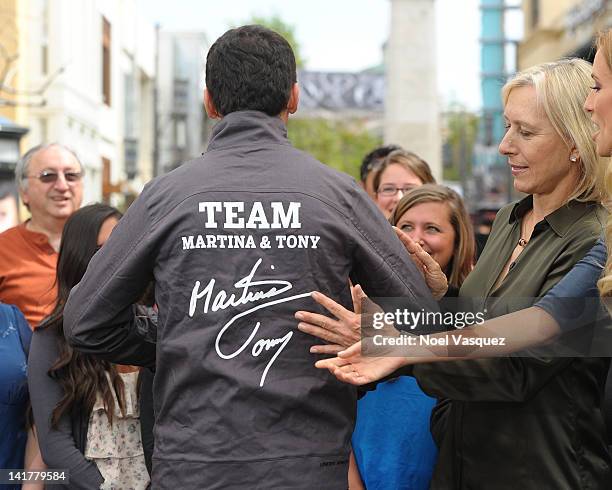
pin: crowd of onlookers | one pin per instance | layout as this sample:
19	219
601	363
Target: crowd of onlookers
532	421
79	414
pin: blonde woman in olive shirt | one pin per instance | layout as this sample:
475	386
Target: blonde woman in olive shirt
532	422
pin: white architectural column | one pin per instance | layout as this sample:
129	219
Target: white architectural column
411	99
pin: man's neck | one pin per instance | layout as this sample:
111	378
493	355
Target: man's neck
50	227
284	115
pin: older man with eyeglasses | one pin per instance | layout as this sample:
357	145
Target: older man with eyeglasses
50	184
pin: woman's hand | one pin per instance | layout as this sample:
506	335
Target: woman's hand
354	368
341	332
432	273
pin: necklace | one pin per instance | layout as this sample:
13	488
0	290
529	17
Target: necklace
524	241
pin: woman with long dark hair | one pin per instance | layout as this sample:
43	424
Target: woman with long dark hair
86	410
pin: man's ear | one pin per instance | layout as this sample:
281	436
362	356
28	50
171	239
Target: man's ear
209	105
23	194
294	99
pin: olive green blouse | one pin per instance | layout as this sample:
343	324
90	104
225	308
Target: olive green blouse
556	244
523	422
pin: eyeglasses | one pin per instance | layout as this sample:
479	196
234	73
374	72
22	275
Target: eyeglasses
47	176
391	190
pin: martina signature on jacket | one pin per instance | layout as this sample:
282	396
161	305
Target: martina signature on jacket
249	291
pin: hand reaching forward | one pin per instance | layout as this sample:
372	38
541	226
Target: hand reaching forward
432	273
354	368
341	332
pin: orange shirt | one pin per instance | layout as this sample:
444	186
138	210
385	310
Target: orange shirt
27	273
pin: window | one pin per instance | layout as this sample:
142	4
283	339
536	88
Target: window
180	133
106	61
107	187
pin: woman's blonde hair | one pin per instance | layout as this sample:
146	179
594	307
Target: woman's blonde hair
410	161
561	90
603	43
462	260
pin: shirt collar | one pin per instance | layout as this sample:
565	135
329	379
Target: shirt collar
36	239
248	128
560	220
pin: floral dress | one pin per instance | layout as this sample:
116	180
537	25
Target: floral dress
117	450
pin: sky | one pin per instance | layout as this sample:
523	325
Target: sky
344	35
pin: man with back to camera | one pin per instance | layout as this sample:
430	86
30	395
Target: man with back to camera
49	179
236	241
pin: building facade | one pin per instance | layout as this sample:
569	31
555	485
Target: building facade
182	129
87	70
558	28
491	186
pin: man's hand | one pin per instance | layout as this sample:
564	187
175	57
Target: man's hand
432	272
341	332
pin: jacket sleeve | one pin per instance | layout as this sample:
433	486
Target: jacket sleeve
574	301
508	379
147	416
381	264
57	446
99	317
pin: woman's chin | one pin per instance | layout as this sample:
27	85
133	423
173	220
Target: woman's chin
521	187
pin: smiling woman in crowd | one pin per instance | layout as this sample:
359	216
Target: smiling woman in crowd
390	453
435	217
400	172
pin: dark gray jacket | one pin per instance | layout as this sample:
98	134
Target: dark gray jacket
236	241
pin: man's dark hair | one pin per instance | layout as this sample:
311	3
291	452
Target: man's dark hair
250	68
374	157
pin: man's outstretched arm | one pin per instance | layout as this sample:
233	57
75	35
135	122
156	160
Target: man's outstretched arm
99	316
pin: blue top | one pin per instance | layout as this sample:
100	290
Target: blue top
392	442
15	336
574	301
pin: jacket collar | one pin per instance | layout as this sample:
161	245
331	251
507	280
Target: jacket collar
560	220
247	128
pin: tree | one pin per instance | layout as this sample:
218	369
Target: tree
339	144
286	30
461	130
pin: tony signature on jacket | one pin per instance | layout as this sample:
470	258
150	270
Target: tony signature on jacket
249	291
